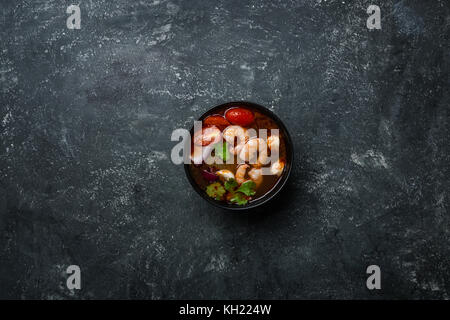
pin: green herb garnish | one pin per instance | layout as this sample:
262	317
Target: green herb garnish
215	190
221	151
230	184
239	198
247	188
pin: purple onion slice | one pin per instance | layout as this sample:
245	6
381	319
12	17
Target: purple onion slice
210	176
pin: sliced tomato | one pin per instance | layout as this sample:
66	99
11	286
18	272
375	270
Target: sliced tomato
216	120
207	135
240	116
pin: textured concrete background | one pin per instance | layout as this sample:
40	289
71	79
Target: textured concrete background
86	178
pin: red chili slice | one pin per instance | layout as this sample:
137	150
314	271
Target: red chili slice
240	116
216	120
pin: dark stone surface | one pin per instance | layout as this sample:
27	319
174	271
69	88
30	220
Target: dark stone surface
85	171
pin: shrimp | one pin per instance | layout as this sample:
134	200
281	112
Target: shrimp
207	135
256	176
200	154
238	132
240	173
248	152
204	141
273	142
225	175
277	167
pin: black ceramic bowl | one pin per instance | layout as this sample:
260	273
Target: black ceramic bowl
280	183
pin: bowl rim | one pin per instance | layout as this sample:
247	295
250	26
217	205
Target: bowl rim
281	182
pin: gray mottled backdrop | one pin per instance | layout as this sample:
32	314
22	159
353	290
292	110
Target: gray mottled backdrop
85	172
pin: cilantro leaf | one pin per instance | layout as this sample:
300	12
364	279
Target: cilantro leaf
239	198
215	190
230	184
221	150
247	188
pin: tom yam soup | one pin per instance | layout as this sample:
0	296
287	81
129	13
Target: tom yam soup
238	154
